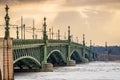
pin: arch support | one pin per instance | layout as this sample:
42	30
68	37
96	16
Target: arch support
28	57
86	58
69	61
76	56
45	66
27	64
56	57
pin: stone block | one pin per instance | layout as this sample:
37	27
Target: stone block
71	63
85	60
47	67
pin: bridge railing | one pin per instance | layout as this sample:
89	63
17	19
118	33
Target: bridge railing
21	42
17	42
57	41
77	44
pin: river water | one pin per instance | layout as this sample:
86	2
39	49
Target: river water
89	71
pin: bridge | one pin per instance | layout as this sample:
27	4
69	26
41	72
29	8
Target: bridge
39	54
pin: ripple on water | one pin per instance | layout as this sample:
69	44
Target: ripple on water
91	71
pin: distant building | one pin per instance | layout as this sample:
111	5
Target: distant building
107	55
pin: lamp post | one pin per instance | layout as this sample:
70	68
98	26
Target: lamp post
7	19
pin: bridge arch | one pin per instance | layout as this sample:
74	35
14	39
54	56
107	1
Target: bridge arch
92	56
87	56
75	55
56	57
29	58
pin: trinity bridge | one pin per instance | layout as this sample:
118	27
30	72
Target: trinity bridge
39	54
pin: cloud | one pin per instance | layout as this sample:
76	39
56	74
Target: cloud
90	2
105	3
93	25
95	18
92	17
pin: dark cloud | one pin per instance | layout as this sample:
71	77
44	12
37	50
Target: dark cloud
90	2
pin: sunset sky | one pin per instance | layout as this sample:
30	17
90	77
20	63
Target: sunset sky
99	20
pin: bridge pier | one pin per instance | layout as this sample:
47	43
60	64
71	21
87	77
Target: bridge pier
85	60
47	67
6	54
71	63
6	59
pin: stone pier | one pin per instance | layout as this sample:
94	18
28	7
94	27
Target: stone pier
6	59
71	63
47	67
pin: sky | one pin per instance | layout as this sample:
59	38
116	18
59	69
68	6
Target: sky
99	20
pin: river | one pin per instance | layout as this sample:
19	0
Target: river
89	71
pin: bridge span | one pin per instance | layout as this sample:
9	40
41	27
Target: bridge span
33	53
39	54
